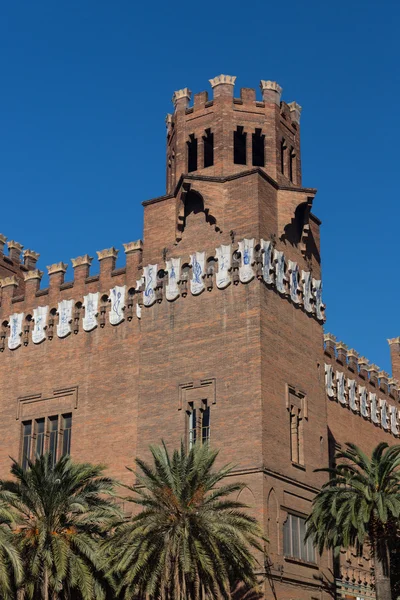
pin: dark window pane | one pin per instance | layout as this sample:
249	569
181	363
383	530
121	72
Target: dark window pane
239	146
192	428
39	448
67	428
26	443
53	438
208	140
192	153
205	426
258	143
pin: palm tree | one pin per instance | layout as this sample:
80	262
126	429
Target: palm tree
10	561
190	541
62	512
360	504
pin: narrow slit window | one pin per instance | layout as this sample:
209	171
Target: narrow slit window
26	443
192	429
283	156
192	153
296	437
239	146
39	434
67	427
53	438
258	148
205	425
208	141
292	164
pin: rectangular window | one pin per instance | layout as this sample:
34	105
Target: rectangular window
294	545
53	438
44	435
258	148
208	144
39	435
67	428
26	443
239	146
198	424
192	153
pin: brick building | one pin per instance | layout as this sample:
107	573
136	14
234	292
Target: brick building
212	331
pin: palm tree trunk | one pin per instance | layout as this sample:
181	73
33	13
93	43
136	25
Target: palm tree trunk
382	571
45	593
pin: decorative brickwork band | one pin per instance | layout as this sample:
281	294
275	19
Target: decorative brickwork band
81	260
57	268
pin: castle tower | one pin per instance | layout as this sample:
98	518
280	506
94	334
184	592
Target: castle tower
228	135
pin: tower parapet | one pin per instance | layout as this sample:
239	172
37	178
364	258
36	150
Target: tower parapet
11	263
226	135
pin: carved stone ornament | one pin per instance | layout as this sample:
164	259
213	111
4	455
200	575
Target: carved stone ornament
307	294
39	324
14	339
150	284
393	420
374	408
364	406
91	305
224	257
138	311
293	269
64	318
268	269
117	299
279	261
317	292
384	414
246	249
352	395
329	381
340	387
173	268
198	271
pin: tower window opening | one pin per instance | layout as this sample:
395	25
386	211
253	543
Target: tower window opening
239	146
258	147
208	141
292	162
283	156
192	153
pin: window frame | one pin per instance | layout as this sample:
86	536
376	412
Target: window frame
199	433
306	550
30	440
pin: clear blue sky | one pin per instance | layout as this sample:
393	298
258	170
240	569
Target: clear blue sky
85	87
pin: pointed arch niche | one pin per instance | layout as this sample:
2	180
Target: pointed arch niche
191	207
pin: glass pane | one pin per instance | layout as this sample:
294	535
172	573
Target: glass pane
310	551
67	427
295	536
287	542
303	547
39	426
192	428
26	443
205	429
53	438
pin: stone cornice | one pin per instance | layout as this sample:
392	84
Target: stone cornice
208	178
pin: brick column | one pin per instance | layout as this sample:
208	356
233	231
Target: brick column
394	345
9	286
81	266
107	258
133	252
32	284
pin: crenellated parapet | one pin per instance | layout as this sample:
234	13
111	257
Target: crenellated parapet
117	295
361	387
14	262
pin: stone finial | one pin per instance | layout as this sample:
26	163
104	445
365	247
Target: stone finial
33	274
363	361
330	343
3	240
30	258
395	340
341	346
329	337
81	260
352	353
295	111
14	250
271	91
59	267
223	79
383	375
133	246
8	281
107	253
393	383
185	94
168	120
373	369
342	351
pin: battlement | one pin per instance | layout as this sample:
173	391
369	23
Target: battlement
16	263
222	135
123	292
